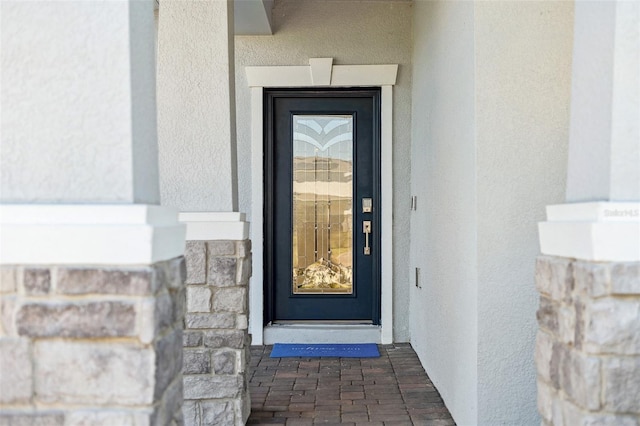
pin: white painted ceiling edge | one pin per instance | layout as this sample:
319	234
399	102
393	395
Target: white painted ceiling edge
253	17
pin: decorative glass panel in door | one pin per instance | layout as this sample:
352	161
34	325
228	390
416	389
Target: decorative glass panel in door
322	204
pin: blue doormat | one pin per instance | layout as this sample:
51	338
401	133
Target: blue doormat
360	350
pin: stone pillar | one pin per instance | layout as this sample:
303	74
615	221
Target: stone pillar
197	139
91	294
196	105
216	341
96	345
588	343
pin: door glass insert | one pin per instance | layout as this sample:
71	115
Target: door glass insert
322	204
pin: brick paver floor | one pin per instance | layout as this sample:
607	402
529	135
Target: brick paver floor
391	390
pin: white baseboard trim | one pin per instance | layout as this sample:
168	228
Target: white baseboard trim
325	333
89	234
596	231
206	226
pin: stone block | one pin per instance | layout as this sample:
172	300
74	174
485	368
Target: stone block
198	299
591	278
36	281
578	335
217	413
170	273
169	409
622	384
204	321
8	307
554	277
81	319
32	419
244	271
547	315
243	248
230	299
191	413
9	276
548	358
191	339
566	324
196	362
16	375
573	415
168	365
233	339
242	322
203	386
611	326
581	379
222	271
164	311
221	248
79	280
87	373
179	299
245	406
546	396
196	259
625	278
224	362
177	272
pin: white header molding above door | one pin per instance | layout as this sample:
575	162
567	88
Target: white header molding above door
321	73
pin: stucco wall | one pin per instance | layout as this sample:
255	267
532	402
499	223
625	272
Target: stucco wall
605	129
523	85
196	106
443	228
75	126
487	172
352	33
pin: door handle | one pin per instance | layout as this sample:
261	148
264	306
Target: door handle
366	229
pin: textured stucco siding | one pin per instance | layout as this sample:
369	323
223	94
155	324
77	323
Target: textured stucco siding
490	137
352	33
523	84
76	127
443	228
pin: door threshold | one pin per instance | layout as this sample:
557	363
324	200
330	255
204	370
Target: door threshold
321	322
314	332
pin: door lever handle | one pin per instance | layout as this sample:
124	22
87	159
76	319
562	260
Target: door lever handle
366	229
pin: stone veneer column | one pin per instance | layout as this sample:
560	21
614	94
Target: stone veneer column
91	268
588	344
216	340
97	345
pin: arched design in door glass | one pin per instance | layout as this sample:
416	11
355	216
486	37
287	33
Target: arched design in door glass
323	204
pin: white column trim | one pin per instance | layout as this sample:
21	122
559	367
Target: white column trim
383	76
596	231
207	226
256	287
121	234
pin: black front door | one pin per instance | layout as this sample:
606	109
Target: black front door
322	205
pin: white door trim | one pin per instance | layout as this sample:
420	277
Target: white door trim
320	73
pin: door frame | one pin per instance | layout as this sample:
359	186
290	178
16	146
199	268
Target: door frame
321	73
